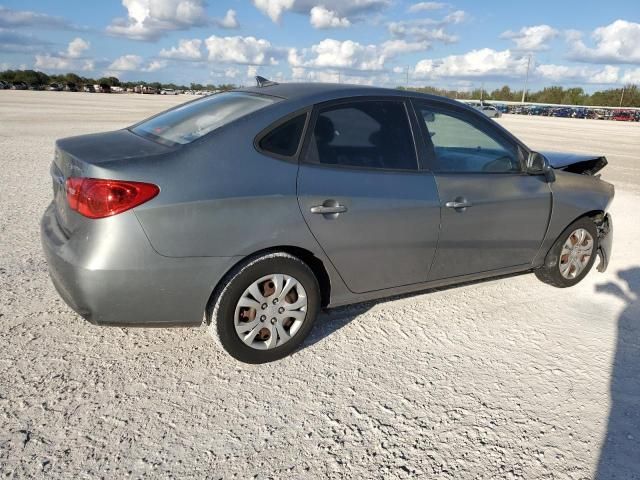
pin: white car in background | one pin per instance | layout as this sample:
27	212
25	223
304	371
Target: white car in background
489	111
169	91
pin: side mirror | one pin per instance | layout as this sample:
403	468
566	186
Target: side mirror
537	164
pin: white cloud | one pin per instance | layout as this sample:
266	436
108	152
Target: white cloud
347	54
126	63
342	8
393	48
231	72
298	73
532	38
564	73
241	50
56	62
321	17
427	28
252	71
351	55
25	18
456	17
273	8
76	47
631	76
52	62
186	50
229	21
426	6
484	62
155	65
150	19
618	42
71	59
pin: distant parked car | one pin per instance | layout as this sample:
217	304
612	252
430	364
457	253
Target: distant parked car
54	87
88	89
490	111
70	87
168	91
4	85
19	86
562	112
624	116
318	195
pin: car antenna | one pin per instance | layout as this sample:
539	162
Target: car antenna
263	82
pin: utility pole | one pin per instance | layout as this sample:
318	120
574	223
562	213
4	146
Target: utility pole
482	93
407	83
339	77
622	96
526	80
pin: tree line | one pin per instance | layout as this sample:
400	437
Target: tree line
34	77
627	96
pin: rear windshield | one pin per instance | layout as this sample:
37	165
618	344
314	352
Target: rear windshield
189	122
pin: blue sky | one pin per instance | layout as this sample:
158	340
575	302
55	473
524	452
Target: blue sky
458	44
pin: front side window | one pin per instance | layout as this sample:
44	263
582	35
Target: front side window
284	139
366	134
460	146
189	122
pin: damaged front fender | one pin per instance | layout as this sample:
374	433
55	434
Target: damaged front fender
576	162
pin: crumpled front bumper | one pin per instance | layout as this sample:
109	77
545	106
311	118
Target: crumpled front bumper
605	242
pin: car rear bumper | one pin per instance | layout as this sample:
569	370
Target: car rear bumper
605	242
112	276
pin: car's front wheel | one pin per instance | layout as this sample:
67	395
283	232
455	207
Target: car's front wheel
572	256
265	307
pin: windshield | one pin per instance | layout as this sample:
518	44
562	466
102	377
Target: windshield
195	119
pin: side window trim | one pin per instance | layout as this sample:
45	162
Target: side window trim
313	117
476	122
281	121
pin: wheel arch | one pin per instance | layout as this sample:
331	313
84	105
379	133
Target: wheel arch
315	264
596	215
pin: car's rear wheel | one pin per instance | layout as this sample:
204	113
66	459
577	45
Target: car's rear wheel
265	307
572	255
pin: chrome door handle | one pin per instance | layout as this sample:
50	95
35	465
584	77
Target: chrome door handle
328	209
458	204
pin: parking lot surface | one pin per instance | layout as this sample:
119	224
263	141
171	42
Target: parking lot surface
508	378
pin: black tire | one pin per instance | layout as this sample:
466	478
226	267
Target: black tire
221	311
550	272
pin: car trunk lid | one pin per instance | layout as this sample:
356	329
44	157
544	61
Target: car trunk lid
93	156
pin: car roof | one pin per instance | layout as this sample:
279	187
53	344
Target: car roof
316	92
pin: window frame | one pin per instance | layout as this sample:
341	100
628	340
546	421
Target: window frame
317	108
281	121
476	119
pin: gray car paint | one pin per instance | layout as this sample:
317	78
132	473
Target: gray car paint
221	200
504	227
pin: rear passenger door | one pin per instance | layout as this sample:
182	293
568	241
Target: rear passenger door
372	209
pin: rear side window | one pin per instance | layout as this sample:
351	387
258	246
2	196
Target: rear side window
366	134
284	139
189	122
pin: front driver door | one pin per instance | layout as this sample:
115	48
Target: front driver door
372	210
494	215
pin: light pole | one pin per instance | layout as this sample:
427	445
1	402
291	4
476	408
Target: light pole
622	96
526	79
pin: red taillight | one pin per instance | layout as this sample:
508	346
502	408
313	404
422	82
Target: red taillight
98	198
